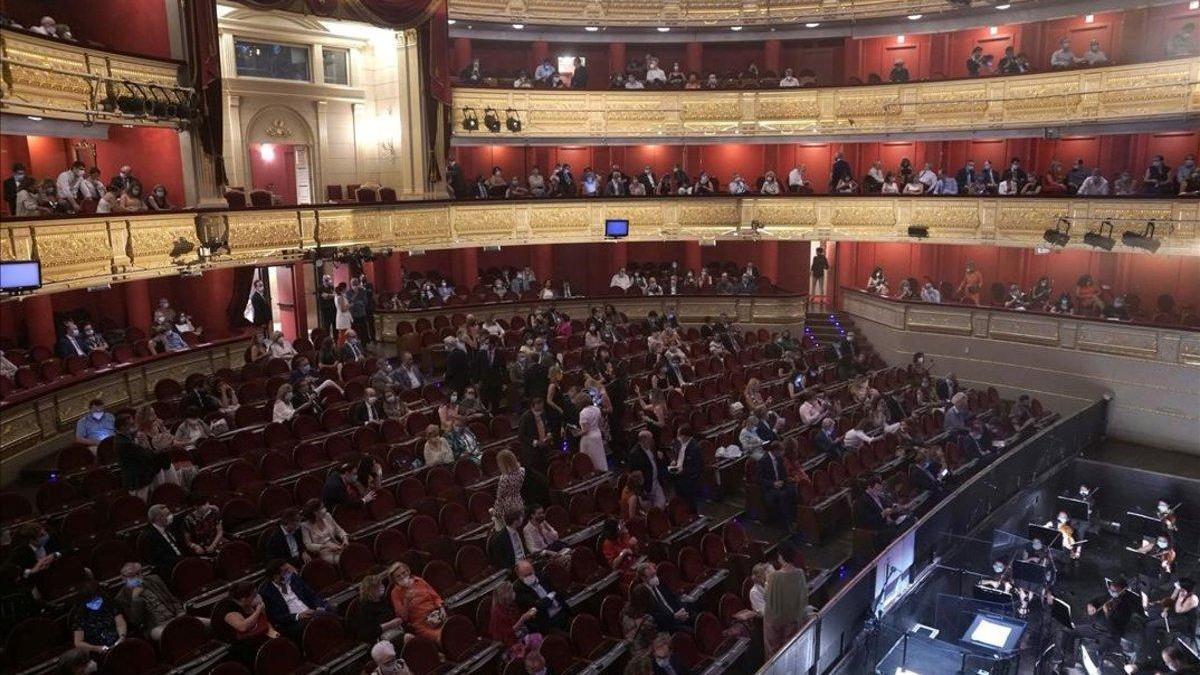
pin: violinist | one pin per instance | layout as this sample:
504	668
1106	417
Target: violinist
1071	540
1110	614
1087	495
1001	579
1036	552
1167	516
1164	550
1175	613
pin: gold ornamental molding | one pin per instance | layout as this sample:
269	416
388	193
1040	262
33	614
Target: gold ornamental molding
688	13
67	81
1166	91
86	251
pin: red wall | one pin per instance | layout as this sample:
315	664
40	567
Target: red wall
1144	275
153	153
1112	154
278	174
137	26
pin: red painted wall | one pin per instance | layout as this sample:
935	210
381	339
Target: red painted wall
137	26
278	174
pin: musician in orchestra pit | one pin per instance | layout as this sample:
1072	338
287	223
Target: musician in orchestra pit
1070	535
1110	615
1000	579
1166	514
1036	552
1163	548
1177	612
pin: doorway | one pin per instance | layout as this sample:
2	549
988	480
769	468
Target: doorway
283	170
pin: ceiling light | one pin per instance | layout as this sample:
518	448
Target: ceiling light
518	26
814	24
664	29
735	28
451	21
1004	6
914	17
592	29
1089	18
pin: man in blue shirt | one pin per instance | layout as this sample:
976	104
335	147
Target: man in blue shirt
95	426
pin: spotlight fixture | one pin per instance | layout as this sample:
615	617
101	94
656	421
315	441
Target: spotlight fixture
518	26
513	122
664	29
735	28
918	231
1144	241
491	120
470	120
1003	7
915	17
812	24
1060	235
1098	239
591	29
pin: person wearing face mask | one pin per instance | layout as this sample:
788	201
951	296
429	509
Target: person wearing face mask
383	654
93	340
1166	515
1157	179
290	602
71	343
280	348
160	538
1176	613
67	184
1110	616
663	661
669	612
352	348
239	620
416	603
96	621
146	601
321	534
1000	579
131	199
95	426
139	464
157	199
285	541
260	307
33	551
376	619
534	592
1161	548
368	410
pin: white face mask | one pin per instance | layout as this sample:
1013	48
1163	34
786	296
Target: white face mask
997	568
530	580
652	581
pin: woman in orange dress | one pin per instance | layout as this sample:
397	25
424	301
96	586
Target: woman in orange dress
794	463
1054	181
416	603
619	548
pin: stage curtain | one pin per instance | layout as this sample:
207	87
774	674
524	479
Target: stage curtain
387	13
205	63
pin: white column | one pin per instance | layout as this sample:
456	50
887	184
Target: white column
411	151
235	147
317	158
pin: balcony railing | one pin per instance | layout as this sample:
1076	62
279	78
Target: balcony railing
82	251
62	80
1162	92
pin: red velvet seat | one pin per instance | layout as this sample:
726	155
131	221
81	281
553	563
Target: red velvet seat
130	655
280	657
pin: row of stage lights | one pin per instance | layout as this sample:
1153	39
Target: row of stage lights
1102	237
491	120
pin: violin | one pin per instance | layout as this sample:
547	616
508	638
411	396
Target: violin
1068	535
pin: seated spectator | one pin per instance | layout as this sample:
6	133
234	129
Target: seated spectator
416	604
899	72
546	74
165	339
146	601
472	74
1182	43
798	183
1094	56
913	187
283	410
522	81
693	81
846	186
875	179
203	532
1008	186
367	410
637	189
341	488
1033	186
97	623
408	374
1076	176
704	185
788	79
290	602
93	340
579	74
157	199
928	178
538	534
376	619
712	82
946	185
507	624
28	201
770	184
352	348
537	183
826	439
738	186
286	542
675	77
321	534
1054	181
1157	180
1095	185
240	620
383	655
655	76
1063	57
32	552
437	449
71	343
633	82
1190	187
164	545
535	592
668	611
130	200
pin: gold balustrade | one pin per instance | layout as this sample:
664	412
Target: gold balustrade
688	13
1166	91
68	81
87	250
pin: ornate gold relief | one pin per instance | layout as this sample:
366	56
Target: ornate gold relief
277	129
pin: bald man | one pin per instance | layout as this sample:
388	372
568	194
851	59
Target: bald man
534	592
647	457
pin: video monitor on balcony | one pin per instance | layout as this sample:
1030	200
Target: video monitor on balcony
616	228
18	276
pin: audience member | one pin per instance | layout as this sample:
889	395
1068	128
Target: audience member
290	602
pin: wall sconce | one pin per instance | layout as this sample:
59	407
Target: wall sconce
266	152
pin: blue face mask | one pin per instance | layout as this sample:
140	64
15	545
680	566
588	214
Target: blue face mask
133	583
95	603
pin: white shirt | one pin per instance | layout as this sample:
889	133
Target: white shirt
1094	57
946	186
634	83
738	187
538	537
854	439
283	412
621	281
758	598
789	81
927	178
281	349
1062	58
68	184
682	448
1007	187
656	74
795	177
810	412
294	604
931	295
1093	186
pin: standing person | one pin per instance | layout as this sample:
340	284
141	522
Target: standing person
260	307
820	265
325	304
12	185
368	291
357	298
343	321
591	441
786	600
686	466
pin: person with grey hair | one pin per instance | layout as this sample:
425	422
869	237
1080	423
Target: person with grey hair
749	439
958	416
386	661
163	545
146	601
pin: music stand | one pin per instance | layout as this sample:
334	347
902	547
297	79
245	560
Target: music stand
1029	572
1048	535
1076	509
1060	611
993	632
1146	564
993	595
1141	524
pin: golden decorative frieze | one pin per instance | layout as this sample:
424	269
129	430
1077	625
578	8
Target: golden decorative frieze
65	80
1163	91
687	13
78	252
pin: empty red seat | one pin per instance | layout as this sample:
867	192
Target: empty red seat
130	655
279	657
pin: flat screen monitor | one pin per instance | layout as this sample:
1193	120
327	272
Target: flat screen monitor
994	632
20	275
615	228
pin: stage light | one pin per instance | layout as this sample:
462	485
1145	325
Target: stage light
1144	241
664	29
1060	235
519	26
918	231
915	17
1098	239
451	21
470	121
1004	6
591	29
513	122
812	24
491	120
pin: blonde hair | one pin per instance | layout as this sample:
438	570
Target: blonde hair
507	461
366	588
763	569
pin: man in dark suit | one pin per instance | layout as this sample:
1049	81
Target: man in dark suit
163	547
260	306
663	661
288	600
505	546
537	377
826	440
367	410
647	178
198	397
352	348
458	365
11	185
70	344
535	592
493	371
947	387
966	177
537	436
455	180
841	169
336	490
284	541
647	458
579	76
779	495
668	610
138	464
874	510
687	465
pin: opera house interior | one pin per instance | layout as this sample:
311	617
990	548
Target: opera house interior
583	337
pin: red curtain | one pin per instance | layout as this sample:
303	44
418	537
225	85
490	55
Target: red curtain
205	63
389	13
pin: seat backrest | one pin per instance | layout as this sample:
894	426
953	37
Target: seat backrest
322	637
181	637
190	575
458	636
277	656
130	655
421	655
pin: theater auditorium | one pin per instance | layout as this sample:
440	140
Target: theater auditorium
600	337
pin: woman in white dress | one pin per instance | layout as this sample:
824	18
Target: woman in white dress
342	319
283	410
591	436
321	534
